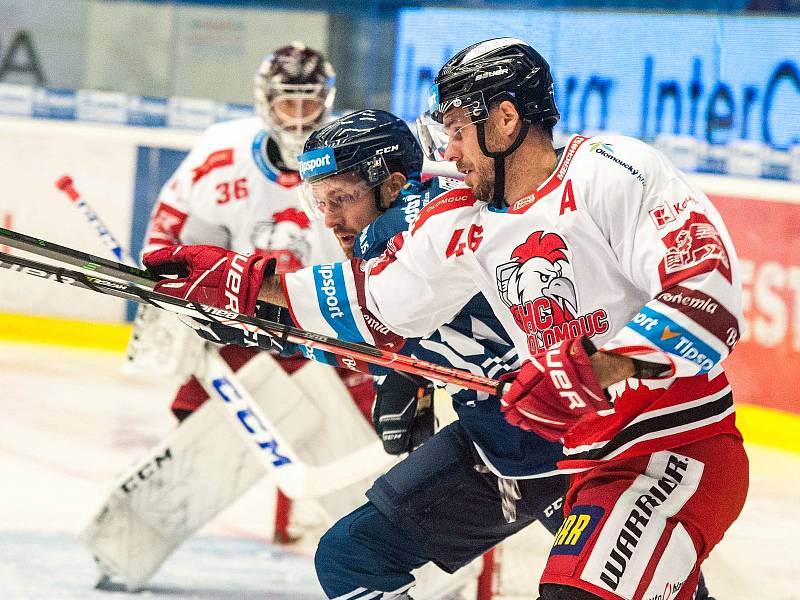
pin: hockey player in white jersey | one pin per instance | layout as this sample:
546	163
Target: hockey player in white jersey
611	273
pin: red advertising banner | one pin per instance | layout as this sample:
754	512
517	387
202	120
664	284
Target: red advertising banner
764	368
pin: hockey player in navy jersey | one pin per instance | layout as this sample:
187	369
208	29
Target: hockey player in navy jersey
479	479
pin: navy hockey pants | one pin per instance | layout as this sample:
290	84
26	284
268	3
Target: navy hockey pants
433	506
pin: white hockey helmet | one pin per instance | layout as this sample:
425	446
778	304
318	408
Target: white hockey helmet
294	91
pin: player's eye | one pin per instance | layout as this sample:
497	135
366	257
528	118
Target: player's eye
343	200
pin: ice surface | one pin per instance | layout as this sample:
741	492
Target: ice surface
70	422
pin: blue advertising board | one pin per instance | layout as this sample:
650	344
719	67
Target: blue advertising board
717	78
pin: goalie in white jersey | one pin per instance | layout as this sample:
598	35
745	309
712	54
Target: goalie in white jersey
236	189
611	273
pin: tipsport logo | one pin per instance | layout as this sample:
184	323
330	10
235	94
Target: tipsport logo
317	162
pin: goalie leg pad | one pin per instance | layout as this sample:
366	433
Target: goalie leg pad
198	470
452	511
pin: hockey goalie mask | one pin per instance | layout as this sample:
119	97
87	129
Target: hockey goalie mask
294	93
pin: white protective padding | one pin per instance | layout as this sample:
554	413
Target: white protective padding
207	463
161	346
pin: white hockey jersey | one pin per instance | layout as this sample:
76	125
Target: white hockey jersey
234	191
616	245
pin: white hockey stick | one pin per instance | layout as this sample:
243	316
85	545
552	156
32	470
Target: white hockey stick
295	478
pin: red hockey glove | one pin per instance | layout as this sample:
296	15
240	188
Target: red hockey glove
209	275
554	390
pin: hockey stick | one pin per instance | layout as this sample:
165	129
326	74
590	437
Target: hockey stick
301	480
66	185
351	352
76	258
294	477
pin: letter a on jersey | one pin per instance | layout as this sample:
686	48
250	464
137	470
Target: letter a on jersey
567	199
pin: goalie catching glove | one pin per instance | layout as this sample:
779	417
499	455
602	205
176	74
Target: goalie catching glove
210	275
553	390
403	412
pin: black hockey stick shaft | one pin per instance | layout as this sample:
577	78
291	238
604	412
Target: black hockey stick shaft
76	258
352	350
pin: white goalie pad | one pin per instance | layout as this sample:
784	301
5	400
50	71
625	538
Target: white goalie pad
207	463
161	346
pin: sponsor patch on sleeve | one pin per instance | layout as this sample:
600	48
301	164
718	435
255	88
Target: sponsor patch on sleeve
576	529
694	249
666	334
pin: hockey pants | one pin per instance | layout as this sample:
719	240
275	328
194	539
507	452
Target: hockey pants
435	506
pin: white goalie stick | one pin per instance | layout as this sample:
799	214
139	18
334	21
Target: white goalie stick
295	478
122	286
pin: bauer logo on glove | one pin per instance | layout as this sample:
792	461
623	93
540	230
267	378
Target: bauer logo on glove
210	275
553	390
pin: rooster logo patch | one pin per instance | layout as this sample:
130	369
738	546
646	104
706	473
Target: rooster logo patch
538	287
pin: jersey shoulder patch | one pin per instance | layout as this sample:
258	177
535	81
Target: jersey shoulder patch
446	202
215	160
614	155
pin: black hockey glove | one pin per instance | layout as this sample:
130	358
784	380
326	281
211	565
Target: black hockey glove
403	412
224	334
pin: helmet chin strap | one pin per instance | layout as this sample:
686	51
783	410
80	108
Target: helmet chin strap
498	197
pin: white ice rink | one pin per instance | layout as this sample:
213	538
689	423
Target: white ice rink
70	422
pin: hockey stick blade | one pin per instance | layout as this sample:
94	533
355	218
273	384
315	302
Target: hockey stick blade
76	258
349	350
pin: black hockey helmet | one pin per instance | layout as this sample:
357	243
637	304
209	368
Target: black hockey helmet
373	143
475	78
497	69
301	79
364	141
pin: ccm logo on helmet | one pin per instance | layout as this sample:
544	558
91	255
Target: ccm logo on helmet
388	149
233	281
560	380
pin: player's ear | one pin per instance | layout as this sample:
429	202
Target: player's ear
391	188
508	120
